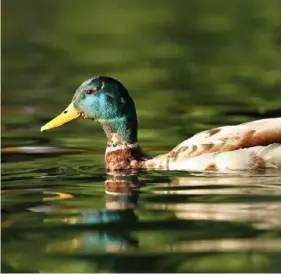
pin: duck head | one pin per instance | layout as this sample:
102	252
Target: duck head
107	101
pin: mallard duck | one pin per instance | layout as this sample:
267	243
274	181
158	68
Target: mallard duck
249	146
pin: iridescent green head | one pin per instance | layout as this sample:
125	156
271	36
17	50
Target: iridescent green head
106	101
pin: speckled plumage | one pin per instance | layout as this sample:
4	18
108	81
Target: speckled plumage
249	146
125	158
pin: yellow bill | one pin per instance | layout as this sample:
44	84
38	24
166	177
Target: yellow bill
69	114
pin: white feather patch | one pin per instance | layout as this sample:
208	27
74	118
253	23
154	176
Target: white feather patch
114	148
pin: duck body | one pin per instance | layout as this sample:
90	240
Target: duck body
249	146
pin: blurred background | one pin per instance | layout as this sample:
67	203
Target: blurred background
189	65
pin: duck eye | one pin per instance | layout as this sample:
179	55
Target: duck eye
91	91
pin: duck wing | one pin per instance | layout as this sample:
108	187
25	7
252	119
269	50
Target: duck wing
228	138
245	146
257	158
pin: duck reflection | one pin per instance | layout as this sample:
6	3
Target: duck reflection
223	198
121	196
189	198
122	190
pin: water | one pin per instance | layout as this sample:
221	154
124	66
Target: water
189	67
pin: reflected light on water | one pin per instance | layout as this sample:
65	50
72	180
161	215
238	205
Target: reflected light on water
225	245
262	215
93	241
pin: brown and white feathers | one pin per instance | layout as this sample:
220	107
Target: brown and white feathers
249	146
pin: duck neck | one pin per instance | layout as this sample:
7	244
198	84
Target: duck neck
121	131
123	151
